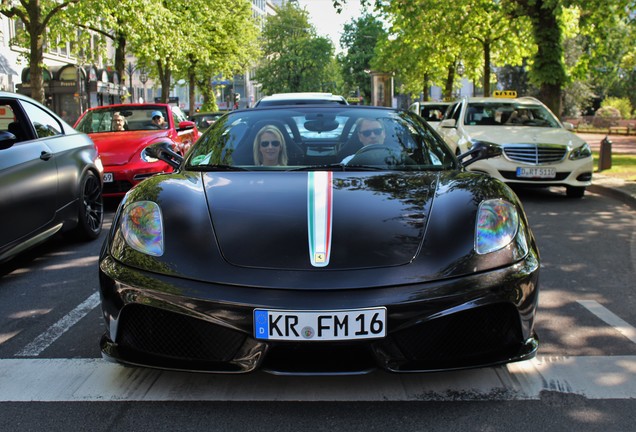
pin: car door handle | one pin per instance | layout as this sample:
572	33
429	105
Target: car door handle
46	155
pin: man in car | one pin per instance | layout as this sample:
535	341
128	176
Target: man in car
158	120
370	131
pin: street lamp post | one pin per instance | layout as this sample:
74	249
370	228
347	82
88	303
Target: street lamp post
130	68
143	77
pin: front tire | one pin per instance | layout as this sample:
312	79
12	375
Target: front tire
91	208
574	191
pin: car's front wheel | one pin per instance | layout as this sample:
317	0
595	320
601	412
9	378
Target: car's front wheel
91	208
575	191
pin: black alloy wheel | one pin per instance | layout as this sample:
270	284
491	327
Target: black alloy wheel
91	209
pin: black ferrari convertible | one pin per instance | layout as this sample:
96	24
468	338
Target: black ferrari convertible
319	240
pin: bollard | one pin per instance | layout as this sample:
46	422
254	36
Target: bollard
605	154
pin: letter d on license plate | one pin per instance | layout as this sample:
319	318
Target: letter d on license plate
320	325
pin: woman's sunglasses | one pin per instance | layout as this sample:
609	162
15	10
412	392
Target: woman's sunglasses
367	133
267	143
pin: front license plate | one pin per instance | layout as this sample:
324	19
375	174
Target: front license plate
108	177
349	324
536	172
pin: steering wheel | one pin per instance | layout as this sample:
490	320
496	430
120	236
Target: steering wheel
380	154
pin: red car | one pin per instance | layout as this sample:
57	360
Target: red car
122	132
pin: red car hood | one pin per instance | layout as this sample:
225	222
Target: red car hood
118	148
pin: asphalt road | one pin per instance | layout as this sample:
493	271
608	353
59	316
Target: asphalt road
52	376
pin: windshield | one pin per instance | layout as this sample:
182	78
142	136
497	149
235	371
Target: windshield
433	113
509	114
320	137
119	119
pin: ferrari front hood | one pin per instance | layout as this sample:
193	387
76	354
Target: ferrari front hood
304	220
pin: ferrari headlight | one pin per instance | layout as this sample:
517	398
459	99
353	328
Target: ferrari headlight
497	225
142	227
581	152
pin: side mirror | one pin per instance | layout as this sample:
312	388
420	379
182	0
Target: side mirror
162	151
480	150
448	123
7	139
185	125
568	126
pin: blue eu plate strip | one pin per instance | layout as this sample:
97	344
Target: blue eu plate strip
261	328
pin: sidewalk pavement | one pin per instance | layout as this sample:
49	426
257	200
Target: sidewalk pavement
617	188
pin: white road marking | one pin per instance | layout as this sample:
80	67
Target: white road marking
606	315
43	341
61	380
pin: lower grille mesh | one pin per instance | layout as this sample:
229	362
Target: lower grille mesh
158	332
481	332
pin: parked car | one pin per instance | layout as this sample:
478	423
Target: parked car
122	151
537	149
50	177
300	98
204	120
432	112
396	259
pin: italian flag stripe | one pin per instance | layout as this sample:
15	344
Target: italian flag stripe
319	208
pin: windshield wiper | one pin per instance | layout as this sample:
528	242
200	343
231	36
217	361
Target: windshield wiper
216	167
337	166
368	167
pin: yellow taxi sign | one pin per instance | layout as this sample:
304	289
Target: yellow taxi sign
504	93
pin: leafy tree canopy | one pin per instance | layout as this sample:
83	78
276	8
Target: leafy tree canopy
295	59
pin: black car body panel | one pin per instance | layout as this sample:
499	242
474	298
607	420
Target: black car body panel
236	240
41	172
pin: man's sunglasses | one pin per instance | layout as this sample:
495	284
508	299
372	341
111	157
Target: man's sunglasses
267	143
156	117
367	133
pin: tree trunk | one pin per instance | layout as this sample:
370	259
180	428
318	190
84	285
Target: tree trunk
192	86
120	57
426	88
36	56
36	59
548	69
486	69
165	75
450	79
550	94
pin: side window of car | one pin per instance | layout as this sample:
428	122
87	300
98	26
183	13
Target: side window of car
457	109
9	121
178	115
45	125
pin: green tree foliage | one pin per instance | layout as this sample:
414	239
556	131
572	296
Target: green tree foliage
429	38
359	39
221	40
605	29
602	29
120	21
192	39
36	16
623	105
295	59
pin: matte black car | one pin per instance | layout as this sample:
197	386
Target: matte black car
342	258
50	177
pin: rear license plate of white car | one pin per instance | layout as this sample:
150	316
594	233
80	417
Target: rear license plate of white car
335	325
536	172
108	177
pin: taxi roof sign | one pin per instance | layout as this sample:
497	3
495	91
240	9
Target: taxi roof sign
504	93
